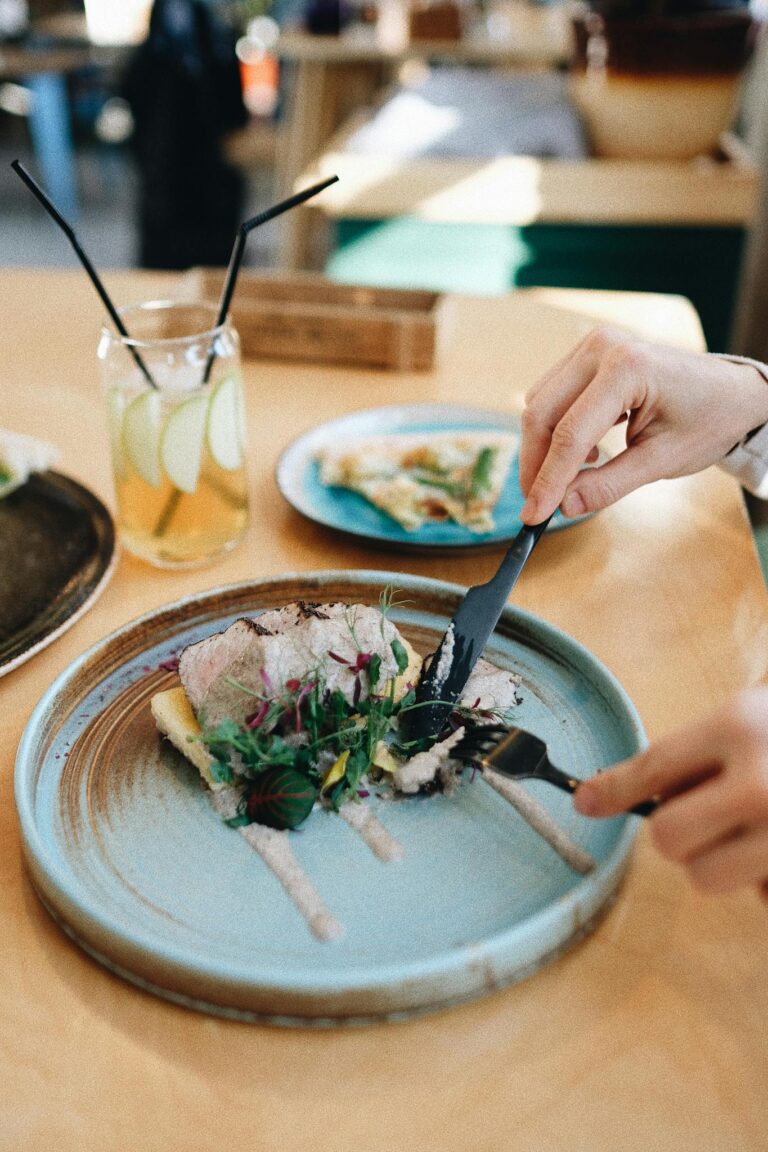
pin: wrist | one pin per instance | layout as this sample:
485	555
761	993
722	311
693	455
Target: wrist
747	461
755	397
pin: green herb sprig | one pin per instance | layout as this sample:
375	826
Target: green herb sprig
480	481
287	752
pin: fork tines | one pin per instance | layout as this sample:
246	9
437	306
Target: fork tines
478	741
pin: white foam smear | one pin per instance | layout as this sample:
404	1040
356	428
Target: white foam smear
541	821
372	831
276	852
491	687
424	766
225	801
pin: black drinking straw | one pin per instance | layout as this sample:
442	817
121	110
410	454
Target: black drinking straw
238	249
69	232
235	259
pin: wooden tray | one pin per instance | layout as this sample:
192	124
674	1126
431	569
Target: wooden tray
305	316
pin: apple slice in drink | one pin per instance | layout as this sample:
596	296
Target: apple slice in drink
116	403
225	426
181	442
141	425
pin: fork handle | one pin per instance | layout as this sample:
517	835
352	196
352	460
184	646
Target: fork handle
568	783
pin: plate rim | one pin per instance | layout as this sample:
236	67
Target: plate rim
500	417
588	895
105	527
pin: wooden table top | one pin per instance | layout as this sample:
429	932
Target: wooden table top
649	1035
516	191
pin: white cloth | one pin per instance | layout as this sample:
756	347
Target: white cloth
20	456
748	461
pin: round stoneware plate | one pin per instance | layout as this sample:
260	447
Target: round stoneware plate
57	554
298	478
128	856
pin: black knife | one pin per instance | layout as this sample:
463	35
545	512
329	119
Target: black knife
450	667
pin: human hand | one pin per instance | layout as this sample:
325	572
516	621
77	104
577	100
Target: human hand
684	411
712	778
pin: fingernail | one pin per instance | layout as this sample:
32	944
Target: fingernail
573	505
529	512
585	801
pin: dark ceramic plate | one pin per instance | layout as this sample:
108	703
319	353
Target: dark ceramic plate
57	552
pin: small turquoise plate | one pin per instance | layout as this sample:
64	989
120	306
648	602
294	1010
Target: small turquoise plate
127	855
298	478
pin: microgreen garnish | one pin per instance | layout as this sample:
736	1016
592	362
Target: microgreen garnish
240	687
389	600
281	798
400	655
373	669
307	742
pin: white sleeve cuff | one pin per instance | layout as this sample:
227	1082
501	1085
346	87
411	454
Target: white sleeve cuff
748	461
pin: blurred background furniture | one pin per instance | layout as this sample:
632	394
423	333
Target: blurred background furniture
458	219
331	77
490	224
40	65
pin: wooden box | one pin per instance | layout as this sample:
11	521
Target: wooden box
305	316
435	21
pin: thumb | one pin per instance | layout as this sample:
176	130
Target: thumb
672	764
596	488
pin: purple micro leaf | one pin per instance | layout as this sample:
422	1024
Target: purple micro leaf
337	658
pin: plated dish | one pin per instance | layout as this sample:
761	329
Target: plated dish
57	553
126	851
327	476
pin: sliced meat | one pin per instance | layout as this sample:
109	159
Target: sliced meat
491	689
202	664
225	675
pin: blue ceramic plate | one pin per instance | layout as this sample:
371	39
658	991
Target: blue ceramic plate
128	856
298	478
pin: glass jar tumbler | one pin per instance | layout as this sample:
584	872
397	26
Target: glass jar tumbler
177	431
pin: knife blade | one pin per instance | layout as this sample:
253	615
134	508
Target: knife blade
465	638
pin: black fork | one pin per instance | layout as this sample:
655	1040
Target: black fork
522	756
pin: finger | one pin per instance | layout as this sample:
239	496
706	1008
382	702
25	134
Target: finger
740	860
554	371
695	821
682	759
552	395
546	404
593	413
593	489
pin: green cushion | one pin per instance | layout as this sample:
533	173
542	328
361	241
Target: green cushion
697	262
